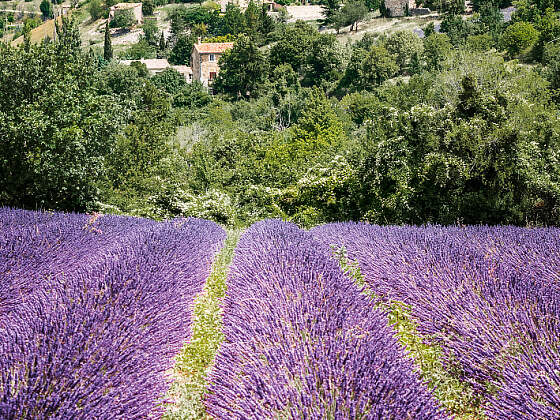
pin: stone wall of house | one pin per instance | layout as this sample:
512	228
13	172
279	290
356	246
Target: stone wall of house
396	8
209	67
202	66
138	13
195	64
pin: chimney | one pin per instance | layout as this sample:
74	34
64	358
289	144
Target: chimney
199	41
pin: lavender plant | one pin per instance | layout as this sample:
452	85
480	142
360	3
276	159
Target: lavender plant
97	308
302	342
488	297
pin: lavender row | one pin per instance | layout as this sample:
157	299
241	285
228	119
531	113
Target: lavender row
95	334
39	245
490	297
301	342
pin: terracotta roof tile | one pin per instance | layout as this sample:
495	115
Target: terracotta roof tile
213	47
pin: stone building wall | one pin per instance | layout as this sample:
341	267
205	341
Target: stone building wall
396	8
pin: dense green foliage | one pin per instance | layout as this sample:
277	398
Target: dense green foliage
95	9
107	45
460	127
46	9
123	19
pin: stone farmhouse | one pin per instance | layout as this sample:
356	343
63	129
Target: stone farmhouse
157	65
396	8
204	62
135	7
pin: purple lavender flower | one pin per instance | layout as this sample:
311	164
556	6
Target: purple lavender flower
93	309
488	296
302	342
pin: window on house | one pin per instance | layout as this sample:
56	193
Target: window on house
212	75
212	57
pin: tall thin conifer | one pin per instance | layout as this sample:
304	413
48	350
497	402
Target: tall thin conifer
107	46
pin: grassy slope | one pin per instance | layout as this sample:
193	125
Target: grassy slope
379	25
197	357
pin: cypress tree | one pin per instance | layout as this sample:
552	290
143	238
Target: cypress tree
107	47
162	45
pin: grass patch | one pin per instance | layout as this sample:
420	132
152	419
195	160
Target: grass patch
457	397
197	357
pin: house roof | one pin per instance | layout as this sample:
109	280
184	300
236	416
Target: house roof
183	69
151	63
213	47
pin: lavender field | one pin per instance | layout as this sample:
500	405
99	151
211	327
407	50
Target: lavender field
93	309
96	312
488	297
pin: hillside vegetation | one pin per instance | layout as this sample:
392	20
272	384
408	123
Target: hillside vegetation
456	127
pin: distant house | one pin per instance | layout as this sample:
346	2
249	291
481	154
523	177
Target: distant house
204	60
135	7
396	8
157	65
154	65
186	71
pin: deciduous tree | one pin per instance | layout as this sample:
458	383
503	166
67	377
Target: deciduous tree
243	70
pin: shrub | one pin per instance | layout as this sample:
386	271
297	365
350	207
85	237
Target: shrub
519	38
123	19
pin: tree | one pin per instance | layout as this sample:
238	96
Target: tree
252	18
162	46
151	30
403	45
478	5
181	51
455	28
373	5
551	58
56	131
266	22
369	68
318	133
95	9
141	69
330	9
46	9
233	21
243	70
549	31
107	46
145	139
148	7
518	38
292	46
169	80
490	20
123	19
436	49
283	81
351	13
323	62
184	19
139	50
192	95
